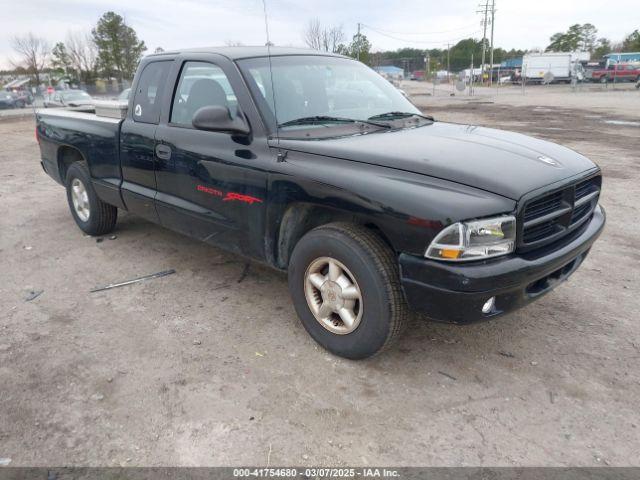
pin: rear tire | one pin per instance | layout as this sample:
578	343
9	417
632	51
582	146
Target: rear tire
603	79
367	286
92	215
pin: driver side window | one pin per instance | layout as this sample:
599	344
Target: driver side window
201	84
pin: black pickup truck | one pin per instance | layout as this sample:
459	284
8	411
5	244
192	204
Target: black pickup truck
313	164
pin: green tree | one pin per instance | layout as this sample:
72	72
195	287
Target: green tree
587	38
603	47
60	59
460	54
119	49
360	47
578	37
632	42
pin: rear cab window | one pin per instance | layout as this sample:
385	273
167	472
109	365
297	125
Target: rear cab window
147	99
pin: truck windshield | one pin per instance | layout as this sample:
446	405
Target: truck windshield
312	92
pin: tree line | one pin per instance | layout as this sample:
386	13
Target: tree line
111	49
584	38
458	57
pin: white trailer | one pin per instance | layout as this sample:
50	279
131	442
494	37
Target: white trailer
467	73
553	66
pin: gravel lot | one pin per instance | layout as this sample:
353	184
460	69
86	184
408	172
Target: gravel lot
211	367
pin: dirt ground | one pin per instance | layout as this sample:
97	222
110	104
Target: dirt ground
211	367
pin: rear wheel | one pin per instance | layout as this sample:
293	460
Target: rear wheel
603	79
345	286
91	214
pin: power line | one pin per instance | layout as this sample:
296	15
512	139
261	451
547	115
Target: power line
405	40
422	33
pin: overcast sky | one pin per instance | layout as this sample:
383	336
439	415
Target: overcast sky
173	24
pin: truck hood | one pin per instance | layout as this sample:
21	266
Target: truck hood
507	163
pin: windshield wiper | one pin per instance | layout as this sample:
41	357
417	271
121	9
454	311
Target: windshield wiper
398	115
319	119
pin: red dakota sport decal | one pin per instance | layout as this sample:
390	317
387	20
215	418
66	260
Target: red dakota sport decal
230	196
241	198
210	191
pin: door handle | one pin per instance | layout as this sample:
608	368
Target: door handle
163	152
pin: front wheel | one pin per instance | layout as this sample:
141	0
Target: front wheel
91	214
345	286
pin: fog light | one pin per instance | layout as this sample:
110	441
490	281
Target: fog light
488	305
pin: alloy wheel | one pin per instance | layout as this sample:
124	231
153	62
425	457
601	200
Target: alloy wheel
80	199
333	295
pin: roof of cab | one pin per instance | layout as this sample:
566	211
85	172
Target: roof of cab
237	53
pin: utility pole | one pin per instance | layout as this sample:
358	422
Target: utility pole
471	76
427	61
493	18
485	12
358	54
448	62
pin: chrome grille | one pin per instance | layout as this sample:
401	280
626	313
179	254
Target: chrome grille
553	215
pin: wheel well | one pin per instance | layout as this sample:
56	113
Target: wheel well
67	156
299	219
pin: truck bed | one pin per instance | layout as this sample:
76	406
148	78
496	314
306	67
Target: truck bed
95	137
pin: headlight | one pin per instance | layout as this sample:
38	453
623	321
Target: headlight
474	240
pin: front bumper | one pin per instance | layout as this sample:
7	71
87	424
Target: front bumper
456	292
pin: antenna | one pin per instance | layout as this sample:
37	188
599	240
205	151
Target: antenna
273	89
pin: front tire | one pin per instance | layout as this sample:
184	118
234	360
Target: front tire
345	286
92	215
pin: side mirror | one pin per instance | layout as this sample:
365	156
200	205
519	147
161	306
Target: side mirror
216	118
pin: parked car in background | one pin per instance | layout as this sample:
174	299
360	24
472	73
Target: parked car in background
24	96
124	95
619	72
11	100
590	67
73	99
501	74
